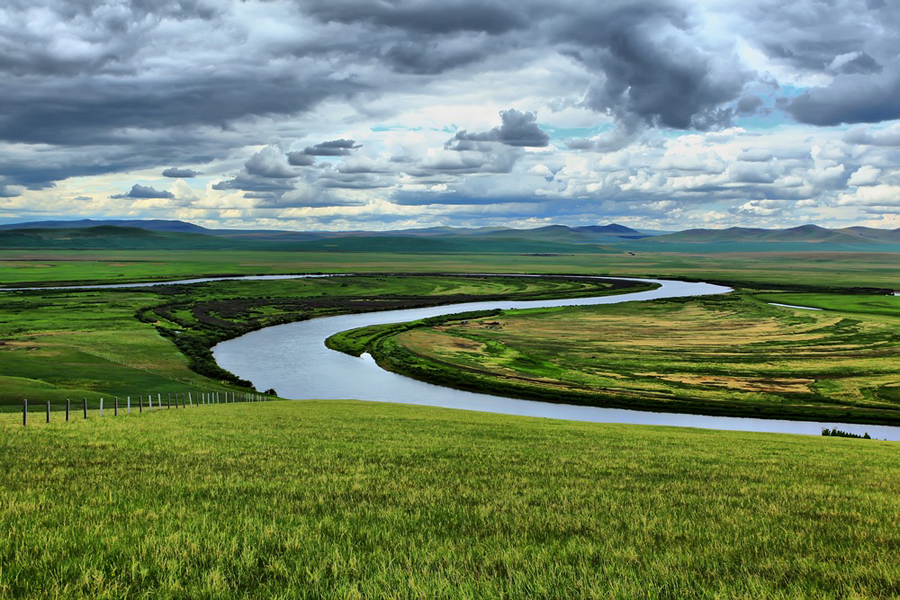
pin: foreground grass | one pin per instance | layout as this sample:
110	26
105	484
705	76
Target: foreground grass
732	354
337	499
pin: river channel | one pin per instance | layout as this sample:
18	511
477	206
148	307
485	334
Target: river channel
294	360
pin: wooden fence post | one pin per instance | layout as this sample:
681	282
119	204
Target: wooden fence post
24	412
168	401
128	402
48	411
85	408
116	407
159	401
190	399
101	407
68	407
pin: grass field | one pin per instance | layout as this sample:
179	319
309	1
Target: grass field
731	354
334	499
19	268
118	342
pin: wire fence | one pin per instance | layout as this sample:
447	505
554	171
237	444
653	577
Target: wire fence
48	411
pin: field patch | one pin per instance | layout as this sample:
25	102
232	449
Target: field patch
336	499
732	354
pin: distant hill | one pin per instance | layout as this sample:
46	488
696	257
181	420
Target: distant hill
148	224
110	237
592	234
551	239
805	238
443	245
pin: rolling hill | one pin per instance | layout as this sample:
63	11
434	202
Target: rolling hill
552	239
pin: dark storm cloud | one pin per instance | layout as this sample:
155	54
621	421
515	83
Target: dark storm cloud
519	129
339	147
850	99
649	66
300	159
180	173
748	105
855	41
250	183
426	16
144	191
8	191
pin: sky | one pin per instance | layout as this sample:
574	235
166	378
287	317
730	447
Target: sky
392	114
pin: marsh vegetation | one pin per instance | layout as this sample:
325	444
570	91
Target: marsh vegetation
732	354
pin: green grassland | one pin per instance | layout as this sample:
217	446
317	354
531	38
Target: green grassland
730	355
35	267
58	344
336	499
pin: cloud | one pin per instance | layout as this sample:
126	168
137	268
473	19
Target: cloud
865	175
300	159
853	98
180	173
270	163
144	192
9	191
889	136
424	16
339	147
637	102
652	65
519	129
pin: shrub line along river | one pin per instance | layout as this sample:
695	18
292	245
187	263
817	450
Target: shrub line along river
294	360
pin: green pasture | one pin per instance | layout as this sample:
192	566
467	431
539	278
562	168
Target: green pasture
58	344
338	499
880	270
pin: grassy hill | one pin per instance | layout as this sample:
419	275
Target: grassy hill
552	239
108	237
342	499
795	239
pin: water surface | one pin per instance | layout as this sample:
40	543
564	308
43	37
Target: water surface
294	360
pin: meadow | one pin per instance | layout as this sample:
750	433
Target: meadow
58	344
872	270
731	355
339	499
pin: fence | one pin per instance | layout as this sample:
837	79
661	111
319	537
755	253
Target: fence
138	404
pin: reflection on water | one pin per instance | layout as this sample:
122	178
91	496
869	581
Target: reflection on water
294	361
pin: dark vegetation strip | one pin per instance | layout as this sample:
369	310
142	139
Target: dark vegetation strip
838	433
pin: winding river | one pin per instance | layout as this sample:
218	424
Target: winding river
294	360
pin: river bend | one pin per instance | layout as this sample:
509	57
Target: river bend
294	360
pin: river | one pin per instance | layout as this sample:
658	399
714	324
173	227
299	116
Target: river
294	360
